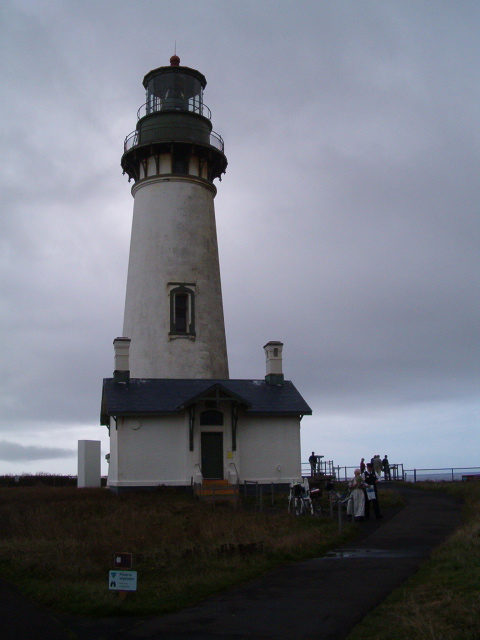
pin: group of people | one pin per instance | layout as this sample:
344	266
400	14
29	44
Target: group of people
378	466
363	487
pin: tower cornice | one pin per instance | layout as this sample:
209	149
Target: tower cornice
139	153
169	178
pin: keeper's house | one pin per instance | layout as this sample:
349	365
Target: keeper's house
181	431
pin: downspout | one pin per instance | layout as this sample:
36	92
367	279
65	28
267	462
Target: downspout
234	425
191	421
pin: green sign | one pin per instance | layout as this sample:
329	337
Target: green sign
122	580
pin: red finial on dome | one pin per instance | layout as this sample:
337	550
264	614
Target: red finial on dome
174	61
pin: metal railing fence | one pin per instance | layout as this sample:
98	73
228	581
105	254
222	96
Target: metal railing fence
444	474
174	104
343	474
398	472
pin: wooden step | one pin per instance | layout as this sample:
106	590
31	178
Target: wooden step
216	491
213	489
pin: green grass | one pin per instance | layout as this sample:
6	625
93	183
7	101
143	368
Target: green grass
58	543
442	601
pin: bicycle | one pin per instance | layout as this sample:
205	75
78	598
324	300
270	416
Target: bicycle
299	502
316	497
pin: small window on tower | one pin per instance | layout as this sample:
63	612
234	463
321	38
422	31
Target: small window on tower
182	311
181	161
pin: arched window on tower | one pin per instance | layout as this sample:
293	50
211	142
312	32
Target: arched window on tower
182	311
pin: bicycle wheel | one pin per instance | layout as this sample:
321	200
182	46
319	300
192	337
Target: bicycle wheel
317	507
299	507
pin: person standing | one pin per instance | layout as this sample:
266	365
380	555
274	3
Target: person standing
362	465
386	468
313	463
371	480
356	505
377	465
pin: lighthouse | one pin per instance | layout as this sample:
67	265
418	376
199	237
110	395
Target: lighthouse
174	416
173	305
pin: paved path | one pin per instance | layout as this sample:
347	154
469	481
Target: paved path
319	599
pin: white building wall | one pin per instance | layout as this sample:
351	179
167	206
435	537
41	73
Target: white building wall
269	449
150	452
153	451
113	459
174	240
89	464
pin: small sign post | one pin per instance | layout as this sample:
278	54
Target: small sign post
119	579
122	561
122	580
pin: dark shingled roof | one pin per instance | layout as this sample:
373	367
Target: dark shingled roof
169	395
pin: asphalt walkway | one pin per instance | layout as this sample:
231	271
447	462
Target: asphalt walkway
319	599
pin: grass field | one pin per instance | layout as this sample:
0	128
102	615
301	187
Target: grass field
58	545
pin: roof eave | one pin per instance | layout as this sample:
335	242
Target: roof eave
216	386
279	413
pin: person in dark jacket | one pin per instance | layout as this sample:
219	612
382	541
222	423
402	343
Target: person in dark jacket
371	480
386	468
313	463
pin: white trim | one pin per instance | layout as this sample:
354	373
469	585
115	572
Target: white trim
149	483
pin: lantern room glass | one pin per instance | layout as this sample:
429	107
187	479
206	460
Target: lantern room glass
174	91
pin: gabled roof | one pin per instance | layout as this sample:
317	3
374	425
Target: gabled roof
169	395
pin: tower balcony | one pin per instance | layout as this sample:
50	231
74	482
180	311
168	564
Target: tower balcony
168	119
170	132
192	105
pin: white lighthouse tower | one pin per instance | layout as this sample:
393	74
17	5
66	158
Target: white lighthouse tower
174	416
173	307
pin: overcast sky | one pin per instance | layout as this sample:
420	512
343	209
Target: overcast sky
347	220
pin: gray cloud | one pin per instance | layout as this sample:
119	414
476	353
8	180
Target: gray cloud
14	452
347	220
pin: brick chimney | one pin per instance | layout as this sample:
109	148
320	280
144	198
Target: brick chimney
273	353
122	360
